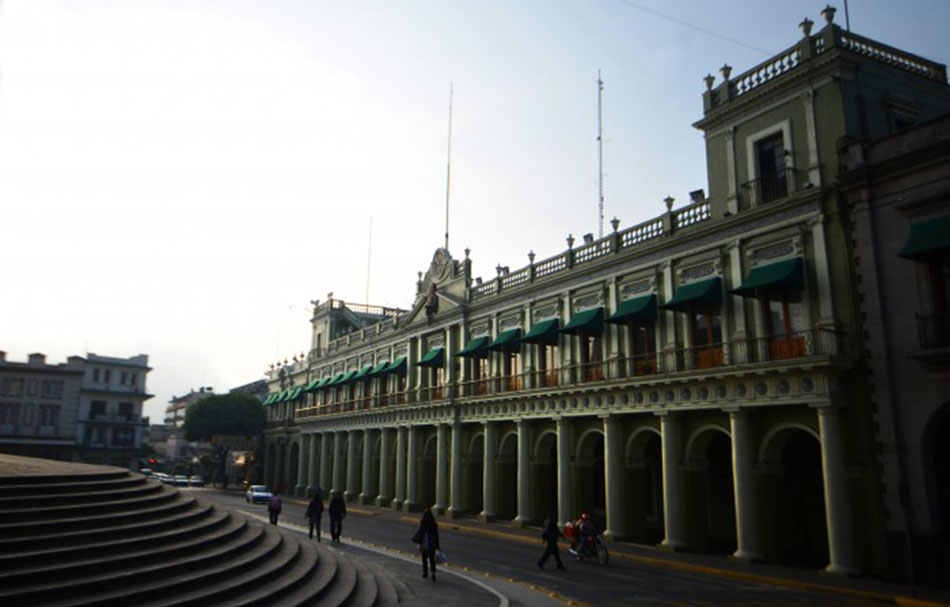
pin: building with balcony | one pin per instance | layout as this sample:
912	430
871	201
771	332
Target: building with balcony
39	405
897	190
698	380
110	428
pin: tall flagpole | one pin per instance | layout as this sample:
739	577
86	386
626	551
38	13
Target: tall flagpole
600	159
448	172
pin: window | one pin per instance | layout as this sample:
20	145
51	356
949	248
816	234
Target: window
31	387
133	379
106	376
511	369
548	364
126	410
95	375
124	378
97	409
11	387
28	415
52	389
122	437
770	158
642	340
707	338
785	323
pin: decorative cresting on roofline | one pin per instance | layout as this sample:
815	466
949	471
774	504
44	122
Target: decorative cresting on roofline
830	38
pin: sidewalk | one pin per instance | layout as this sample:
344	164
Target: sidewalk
716	565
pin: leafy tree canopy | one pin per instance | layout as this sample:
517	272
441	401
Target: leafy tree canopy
231	414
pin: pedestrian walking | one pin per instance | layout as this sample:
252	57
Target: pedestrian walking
314	513
427	536
337	510
550	534
274	506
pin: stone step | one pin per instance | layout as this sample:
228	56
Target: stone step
103	474
108	484
126	586
182	542
121	502
42	553
387	596
343	584
366	590
67	521
113	528
81	496
404	592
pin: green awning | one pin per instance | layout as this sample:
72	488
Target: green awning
433	358
282	396
476	348
636	310
347	378
311	386
701	293
506	340
787	274
270	398
322	383
295	393
364	372
927	240
380	369
588	321
397	366
336	379
544	332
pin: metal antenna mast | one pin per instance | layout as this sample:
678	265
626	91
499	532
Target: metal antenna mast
448	172
369	257
600	158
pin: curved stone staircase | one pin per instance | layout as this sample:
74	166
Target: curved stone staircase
72	534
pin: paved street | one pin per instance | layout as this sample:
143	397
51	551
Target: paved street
623	582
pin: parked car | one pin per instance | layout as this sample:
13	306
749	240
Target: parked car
196	481
257	494
146	471
181	480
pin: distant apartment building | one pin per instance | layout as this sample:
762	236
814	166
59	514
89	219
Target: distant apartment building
87	409
110	427
176	447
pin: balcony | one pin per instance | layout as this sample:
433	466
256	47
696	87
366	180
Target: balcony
801	346
933	330
768	188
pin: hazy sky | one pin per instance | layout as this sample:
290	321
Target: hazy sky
180	178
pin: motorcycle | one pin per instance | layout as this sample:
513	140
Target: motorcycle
593	546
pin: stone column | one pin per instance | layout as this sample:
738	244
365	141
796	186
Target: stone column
524	475
441	471
612	332
312	465
412	471
301	466
326	481
613	479
385	436
747	539
826	317
337	462
400	468
565	506
366	497
672	512
837	503
488	475
351	469
455	479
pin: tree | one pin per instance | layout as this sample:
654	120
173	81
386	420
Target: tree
214	418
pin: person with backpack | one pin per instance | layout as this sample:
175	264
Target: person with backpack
427	536
314	513
337	514
274	506
550	534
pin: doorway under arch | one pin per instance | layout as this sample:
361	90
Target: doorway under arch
711	505
936	460
506	478
427	471
544	478
474	472
591	494
644	487
294	467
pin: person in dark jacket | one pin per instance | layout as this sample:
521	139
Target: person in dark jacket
274	506
337	510
550	534
428	539
315	513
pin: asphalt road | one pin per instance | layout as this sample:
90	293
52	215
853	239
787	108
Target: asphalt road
620	583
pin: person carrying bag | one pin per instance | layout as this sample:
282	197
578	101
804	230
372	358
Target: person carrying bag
427	536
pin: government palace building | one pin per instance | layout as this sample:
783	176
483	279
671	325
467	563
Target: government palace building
761	372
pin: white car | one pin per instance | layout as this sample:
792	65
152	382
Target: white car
196	481
180	481
257	494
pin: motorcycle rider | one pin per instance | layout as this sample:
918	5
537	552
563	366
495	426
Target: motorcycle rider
585	531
